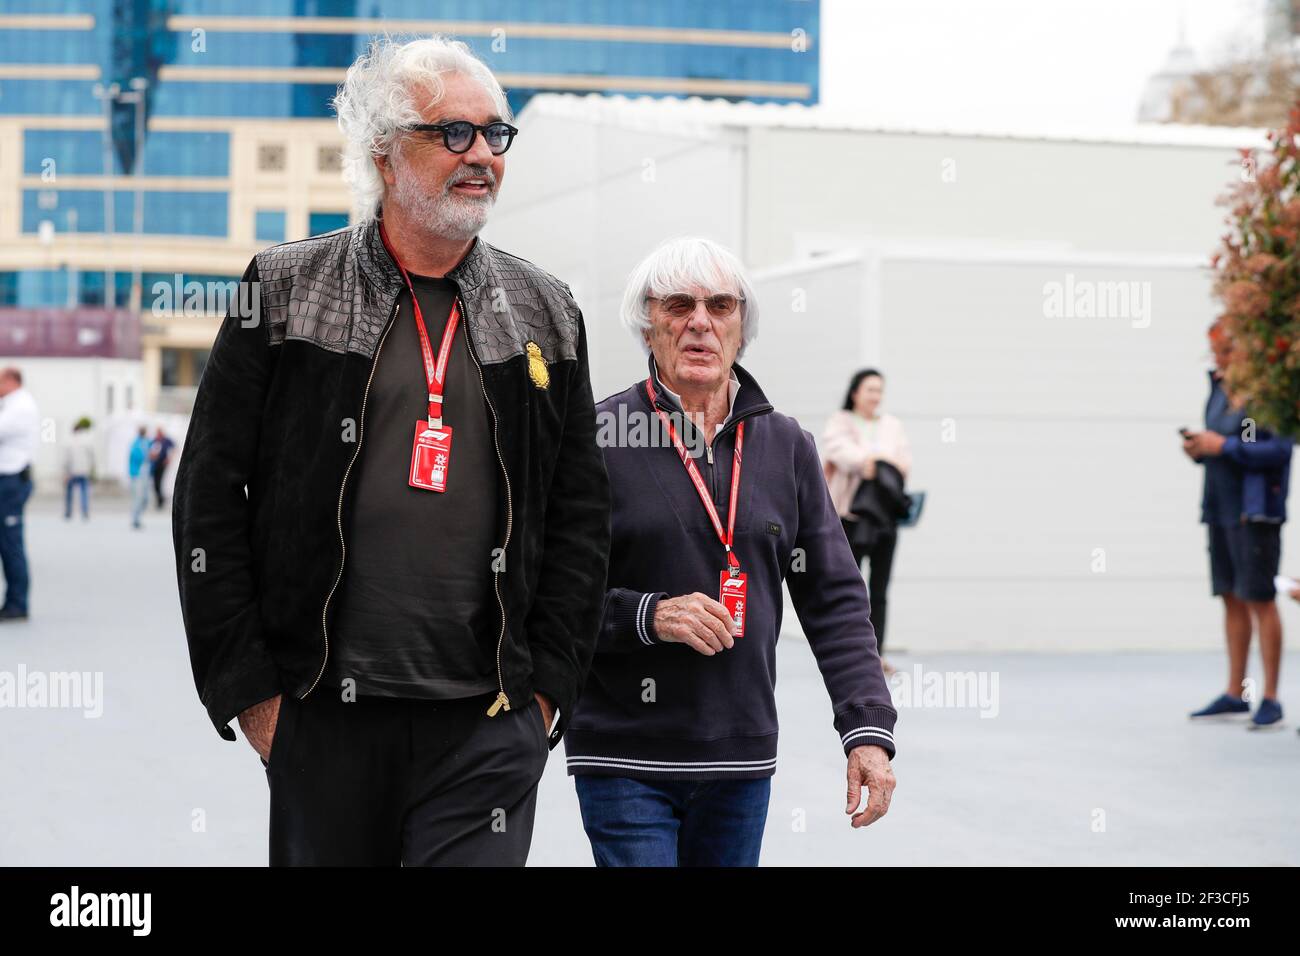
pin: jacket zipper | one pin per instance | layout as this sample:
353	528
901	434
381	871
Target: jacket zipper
708	446
502	702
708	453
343	547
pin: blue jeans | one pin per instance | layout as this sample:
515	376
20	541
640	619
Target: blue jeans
14	492
673	822
139	496
84	483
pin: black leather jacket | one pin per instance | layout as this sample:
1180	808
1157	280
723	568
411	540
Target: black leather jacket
279	419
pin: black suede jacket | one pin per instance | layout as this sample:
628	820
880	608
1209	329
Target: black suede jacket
279	420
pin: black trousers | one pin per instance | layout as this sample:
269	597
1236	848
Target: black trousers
879	550
157	475
386	781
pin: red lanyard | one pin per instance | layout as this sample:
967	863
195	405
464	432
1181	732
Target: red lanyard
727	537
435	372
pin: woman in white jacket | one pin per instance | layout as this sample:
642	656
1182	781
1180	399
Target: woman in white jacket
855	440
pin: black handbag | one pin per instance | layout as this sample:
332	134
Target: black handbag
881	501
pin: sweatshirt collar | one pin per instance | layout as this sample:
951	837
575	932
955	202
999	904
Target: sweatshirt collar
733	387
745	396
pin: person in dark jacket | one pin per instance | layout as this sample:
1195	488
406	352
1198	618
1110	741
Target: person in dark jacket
718	500
1243	506
396	620
160	456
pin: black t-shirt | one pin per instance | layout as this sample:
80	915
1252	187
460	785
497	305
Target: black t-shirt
416	604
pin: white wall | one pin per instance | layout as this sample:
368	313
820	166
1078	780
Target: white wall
1065	428
587	203
65	389
1062	510
1038	439
1086	196
814	330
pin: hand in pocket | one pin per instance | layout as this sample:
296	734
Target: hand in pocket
258	724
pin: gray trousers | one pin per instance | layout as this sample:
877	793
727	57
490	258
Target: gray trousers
388	782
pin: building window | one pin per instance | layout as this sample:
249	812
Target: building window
268	225
319	222
166	212
108	399
166	153
169	373
329	159
270	158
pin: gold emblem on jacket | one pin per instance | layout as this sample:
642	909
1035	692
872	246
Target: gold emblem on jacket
537	370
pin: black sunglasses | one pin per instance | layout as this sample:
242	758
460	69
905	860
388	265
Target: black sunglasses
458	136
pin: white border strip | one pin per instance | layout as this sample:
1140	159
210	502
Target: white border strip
867	732
667	766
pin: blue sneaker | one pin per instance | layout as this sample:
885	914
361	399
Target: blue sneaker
1223	707
1268	716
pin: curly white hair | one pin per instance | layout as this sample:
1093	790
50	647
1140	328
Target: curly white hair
385	90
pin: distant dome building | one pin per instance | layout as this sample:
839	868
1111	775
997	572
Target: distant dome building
1167	92
1256	90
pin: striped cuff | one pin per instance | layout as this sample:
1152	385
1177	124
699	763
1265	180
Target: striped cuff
645	618
864	726
632	615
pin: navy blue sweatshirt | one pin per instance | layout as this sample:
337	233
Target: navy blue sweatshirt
663	711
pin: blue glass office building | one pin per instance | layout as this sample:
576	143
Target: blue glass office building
227	104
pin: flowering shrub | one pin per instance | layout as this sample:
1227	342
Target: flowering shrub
1257	280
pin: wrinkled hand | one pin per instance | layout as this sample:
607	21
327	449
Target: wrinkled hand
258	724
1203	444
695	620
869	766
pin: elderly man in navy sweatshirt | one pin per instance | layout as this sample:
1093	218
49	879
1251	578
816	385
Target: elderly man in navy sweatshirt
717	500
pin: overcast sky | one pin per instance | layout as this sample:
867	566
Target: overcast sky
1014	63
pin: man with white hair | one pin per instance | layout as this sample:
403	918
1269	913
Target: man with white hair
394	617
717	500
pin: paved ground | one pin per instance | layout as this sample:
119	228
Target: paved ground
1088	760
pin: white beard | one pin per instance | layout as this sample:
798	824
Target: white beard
448	215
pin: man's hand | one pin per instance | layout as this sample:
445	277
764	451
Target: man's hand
1203	444
869	765
258	724
548	711
695	620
